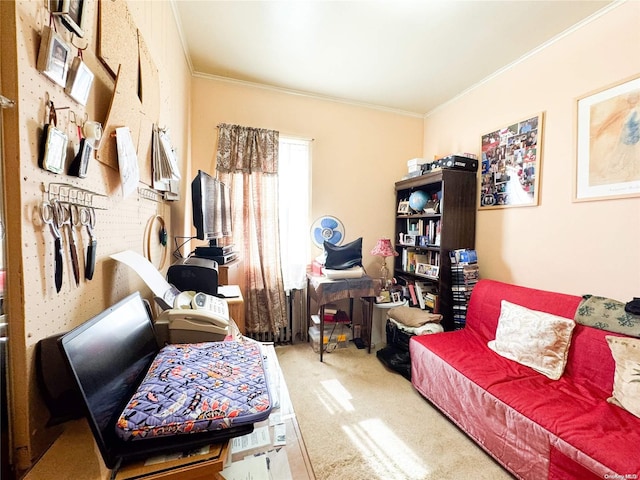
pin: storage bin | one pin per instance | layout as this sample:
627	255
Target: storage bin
337	337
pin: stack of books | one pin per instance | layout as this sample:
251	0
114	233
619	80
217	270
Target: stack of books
465	273
424	295
333	315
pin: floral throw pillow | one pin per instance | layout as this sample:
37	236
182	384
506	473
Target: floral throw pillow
626	380
607	314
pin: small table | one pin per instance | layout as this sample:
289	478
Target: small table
378	327
236	304
324	290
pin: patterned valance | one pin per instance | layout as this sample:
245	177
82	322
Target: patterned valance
247	149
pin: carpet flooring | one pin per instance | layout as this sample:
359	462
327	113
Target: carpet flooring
360	420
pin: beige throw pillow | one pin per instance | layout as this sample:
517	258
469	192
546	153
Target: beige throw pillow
413	317
626	380
536	339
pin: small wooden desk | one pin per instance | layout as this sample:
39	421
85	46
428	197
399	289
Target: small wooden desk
324	290
231	273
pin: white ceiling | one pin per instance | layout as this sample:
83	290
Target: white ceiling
410	56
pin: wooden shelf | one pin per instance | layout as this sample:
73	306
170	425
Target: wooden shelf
457	227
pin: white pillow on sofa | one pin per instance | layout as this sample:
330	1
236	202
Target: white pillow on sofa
536	339
626	379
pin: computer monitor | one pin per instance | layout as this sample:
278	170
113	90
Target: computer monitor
211	203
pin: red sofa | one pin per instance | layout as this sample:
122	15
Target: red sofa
537	428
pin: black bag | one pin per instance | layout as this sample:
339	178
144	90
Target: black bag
396	360
343	257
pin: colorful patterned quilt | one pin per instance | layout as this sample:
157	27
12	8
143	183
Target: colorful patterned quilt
199	387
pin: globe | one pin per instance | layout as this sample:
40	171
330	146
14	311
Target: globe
418	200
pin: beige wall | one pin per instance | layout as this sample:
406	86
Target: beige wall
358	153
579	248
35	309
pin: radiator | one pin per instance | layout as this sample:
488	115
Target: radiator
296	323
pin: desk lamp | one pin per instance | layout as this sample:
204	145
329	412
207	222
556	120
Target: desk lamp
384	249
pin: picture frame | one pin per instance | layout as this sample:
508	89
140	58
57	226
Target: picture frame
384	297
396	297
433	271
79	81
607	147
71	12
53	56
427	270
54	149
409	240
403	208
512	164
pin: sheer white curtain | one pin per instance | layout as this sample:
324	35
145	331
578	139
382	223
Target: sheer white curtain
294	173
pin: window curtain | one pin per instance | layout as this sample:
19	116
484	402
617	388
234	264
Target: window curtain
247	161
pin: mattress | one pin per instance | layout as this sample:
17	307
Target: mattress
200	387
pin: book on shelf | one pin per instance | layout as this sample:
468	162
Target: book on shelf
411	261
426	286
330	309
431	301
422	258
412	293
420	295
339	317
434	231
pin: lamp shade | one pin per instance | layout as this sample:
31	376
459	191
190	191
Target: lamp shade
384	249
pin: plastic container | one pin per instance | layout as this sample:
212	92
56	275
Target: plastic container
337	337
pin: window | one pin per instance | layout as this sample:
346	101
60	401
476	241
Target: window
294	188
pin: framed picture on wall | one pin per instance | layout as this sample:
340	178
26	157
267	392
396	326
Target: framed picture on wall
511	164
79	81
608	143
71	12
53	56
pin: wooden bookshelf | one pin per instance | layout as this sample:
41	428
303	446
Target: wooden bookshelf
454	222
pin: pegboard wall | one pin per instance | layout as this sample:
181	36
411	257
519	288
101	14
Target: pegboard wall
132	222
